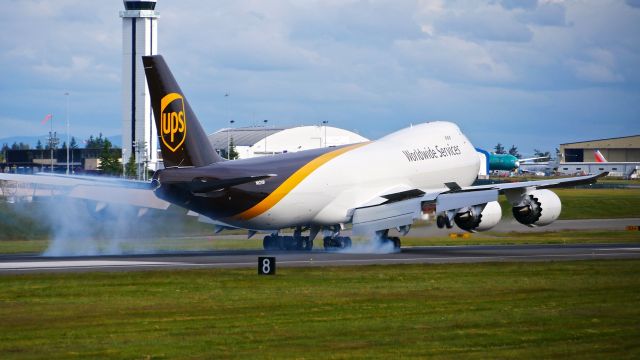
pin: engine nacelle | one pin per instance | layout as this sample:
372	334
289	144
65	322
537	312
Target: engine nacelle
538	208
473	220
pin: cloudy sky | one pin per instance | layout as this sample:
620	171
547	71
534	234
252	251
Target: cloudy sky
530	73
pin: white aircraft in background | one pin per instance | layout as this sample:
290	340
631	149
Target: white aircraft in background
425	170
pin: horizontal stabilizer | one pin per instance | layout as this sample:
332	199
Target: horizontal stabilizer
203	185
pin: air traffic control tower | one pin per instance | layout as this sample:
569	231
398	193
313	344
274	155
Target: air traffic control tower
139	37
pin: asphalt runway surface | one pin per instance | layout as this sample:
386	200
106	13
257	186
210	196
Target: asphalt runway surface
16	264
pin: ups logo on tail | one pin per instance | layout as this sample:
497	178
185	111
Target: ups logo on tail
174	121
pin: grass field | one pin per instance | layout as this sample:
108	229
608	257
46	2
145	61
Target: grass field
582	309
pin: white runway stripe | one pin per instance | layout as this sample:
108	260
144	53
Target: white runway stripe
76	263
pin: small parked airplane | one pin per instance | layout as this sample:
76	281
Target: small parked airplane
417	172
508	162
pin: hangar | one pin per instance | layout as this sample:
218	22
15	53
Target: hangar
622	155
621	149
259	141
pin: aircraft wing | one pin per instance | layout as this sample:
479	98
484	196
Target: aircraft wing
533	159
401	209
105	190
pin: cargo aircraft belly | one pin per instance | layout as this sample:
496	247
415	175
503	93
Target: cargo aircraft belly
417	172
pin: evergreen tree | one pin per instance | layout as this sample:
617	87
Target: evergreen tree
109	162
73	143
3	152
233	154
514	151
20	146
39	145
130	169
89	143
499	149
539	153
95	143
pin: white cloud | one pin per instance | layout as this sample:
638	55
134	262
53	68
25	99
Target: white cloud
545	14
374	65
454	59
599	67
480	22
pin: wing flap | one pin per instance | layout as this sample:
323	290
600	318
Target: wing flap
459	200
368	220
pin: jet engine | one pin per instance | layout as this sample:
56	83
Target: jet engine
474	219
538	208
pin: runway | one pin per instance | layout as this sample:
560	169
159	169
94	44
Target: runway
16	264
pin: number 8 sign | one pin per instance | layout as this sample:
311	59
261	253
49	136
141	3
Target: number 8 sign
266	265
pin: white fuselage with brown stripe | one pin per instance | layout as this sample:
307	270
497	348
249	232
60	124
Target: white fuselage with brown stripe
324	191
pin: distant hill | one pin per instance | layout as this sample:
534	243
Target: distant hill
116	140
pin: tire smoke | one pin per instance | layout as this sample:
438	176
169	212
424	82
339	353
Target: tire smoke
86	228
374	244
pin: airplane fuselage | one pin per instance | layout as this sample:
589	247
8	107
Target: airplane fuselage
320	187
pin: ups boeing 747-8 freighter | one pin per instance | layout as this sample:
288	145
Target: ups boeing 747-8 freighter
421	171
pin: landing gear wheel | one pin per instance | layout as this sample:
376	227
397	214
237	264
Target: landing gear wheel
448	223
270	243
345	242
337	243
396	242
289	243
443	221
307	244
327	242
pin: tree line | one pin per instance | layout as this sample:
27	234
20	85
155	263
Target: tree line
109	159
500	149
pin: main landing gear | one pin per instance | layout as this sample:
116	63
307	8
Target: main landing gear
384	237
443	221
305	243
275	242
333	243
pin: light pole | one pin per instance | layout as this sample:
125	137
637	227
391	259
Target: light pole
134	152
68	143
324	123
53	141
265	136
228	139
